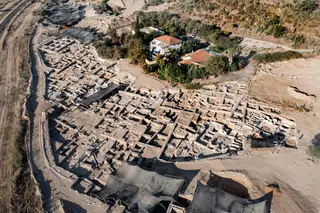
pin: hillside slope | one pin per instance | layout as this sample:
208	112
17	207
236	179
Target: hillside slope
293	21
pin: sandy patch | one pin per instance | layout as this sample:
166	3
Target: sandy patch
298	94
293	86
132	6
142	80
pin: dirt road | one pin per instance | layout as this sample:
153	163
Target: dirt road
13	83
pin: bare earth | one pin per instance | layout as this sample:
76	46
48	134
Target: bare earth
142	80
13	64
290	85
298	178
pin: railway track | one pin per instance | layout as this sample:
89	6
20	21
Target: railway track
10	15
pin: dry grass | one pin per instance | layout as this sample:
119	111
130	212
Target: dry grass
300	28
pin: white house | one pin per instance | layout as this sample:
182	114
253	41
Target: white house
161	45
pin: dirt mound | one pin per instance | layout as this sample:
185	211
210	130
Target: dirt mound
234	182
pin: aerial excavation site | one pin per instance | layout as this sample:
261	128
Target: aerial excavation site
160	106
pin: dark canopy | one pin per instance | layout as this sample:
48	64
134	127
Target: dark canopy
140	189
99	95
215	200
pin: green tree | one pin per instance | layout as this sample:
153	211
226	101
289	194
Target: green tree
217	65
174	54
233	67
189	46
172	72
195	71
137	52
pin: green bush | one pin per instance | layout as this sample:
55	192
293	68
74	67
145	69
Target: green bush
276	30
189	46
306	6
217	65
103	8
195	71
277	56
155	2
297	40
172	72
177	26
193	86
241	64
314	151
234	67
226	45
135	47
274	27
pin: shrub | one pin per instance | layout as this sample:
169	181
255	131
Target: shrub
172	72
177	26
234	67
217	65
155	2
189	46
306	6
277	56
226	44
241	64
314	151
297	40
277	30
103	8
197	72
237	63
274	27
193	86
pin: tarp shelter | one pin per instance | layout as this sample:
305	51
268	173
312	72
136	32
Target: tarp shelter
99	95
215	200
84	36
140	190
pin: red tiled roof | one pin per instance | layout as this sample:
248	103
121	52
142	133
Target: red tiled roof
186	62
199	57
169	40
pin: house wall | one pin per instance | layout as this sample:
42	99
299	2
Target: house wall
156	47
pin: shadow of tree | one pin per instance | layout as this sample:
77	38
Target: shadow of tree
316	140
70	207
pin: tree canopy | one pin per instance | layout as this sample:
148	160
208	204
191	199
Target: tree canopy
217	65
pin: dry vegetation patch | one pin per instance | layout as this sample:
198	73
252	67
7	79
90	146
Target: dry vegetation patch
294	21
